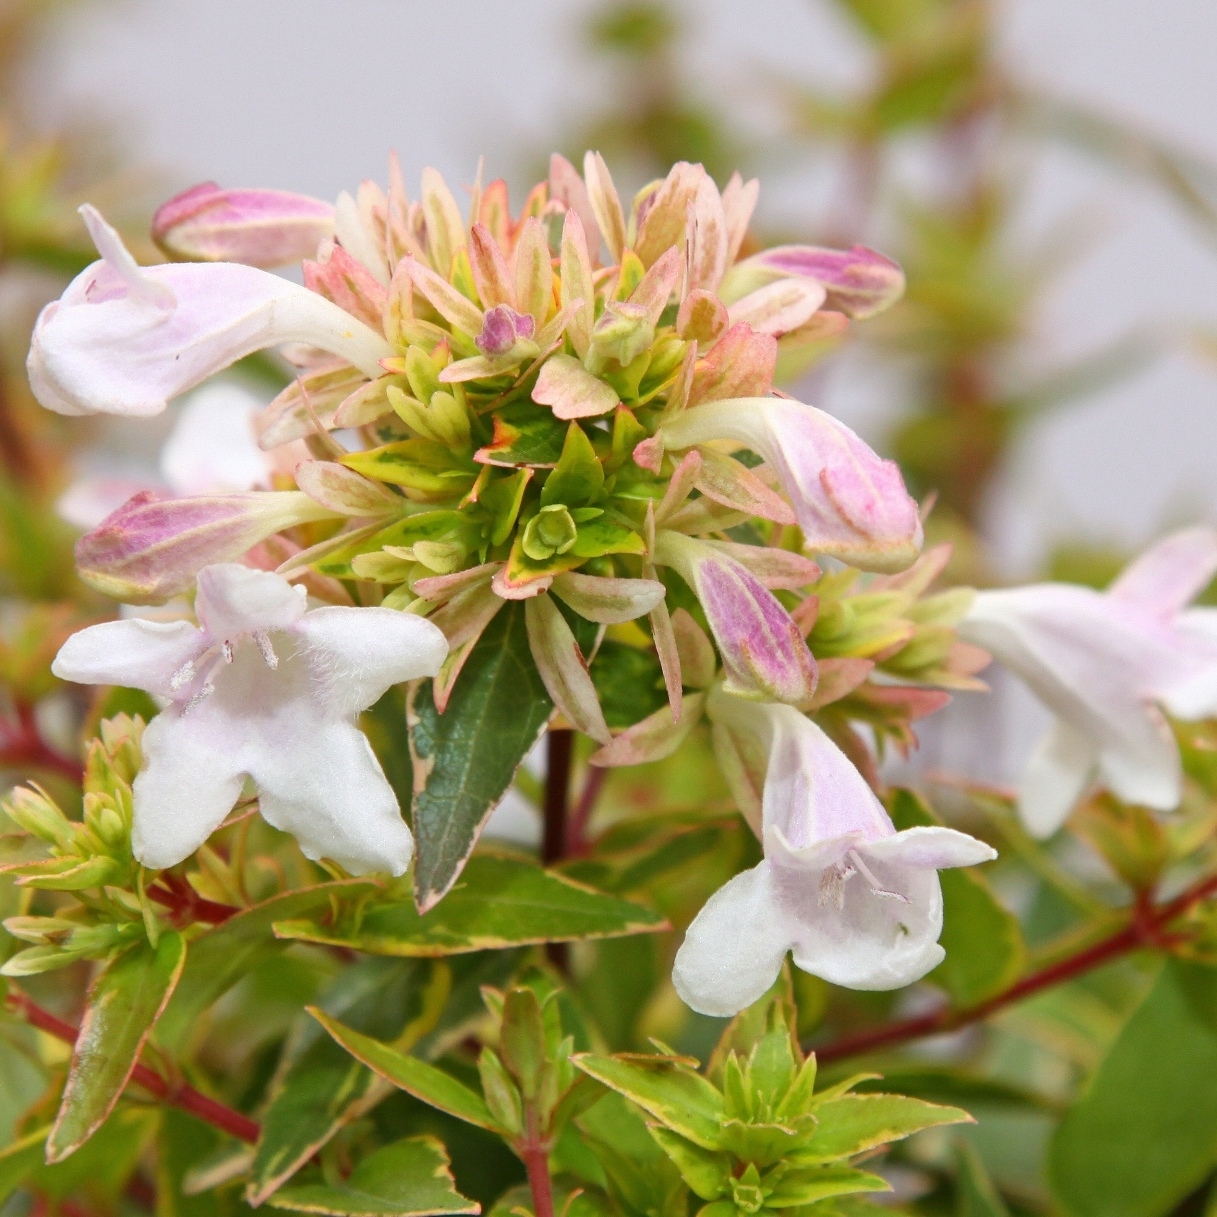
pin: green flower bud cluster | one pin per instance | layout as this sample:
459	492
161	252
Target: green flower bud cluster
88	861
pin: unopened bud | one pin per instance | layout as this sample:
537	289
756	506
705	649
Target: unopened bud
257	227
551	531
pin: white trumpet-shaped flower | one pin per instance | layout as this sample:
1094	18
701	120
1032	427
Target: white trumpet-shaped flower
125	338
857	902
1103	663
266	689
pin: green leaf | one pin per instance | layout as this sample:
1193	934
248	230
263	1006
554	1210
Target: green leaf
385	726
406	1179
525	434
856	1122
677	1096
806	1185
1144	1133
983	941
319	1088
641	1178
124	1002
19	1160
465	758
975	1195
501	901
408	1073
219	958
708	1174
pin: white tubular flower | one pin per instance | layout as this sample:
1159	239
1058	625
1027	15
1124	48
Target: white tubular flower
124	339
264	689
857	902
1103	663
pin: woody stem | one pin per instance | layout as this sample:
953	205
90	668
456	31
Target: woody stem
179	1094
1144	930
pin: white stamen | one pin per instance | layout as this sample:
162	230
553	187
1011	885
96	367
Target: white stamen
227	650
183	676
201	696
117	257
854	856
262	638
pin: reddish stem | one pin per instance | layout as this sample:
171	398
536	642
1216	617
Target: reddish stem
535	1153
21	745
1145	930
180	1094
186	905
577	844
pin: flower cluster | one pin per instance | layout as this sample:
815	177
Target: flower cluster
569	416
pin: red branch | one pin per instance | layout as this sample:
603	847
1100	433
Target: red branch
185	905
1145	930
177	1093
22	745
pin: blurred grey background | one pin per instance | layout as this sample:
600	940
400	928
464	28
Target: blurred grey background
310	95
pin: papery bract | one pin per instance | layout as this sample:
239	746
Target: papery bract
266	690
263	228
762	649
125	339
850	503
858	903
1104	663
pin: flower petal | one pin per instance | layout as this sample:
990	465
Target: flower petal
358	653
151	549
234	600
1170	574
332	796
778	307
929	846
733	951
191	779
763	651
873	941
1097	664
1055	776
859	281
135	654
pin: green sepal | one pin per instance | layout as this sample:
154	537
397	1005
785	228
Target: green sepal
579	476
524	434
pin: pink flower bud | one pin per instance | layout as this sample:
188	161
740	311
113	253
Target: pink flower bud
151	549
860	282
257	227
763	652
